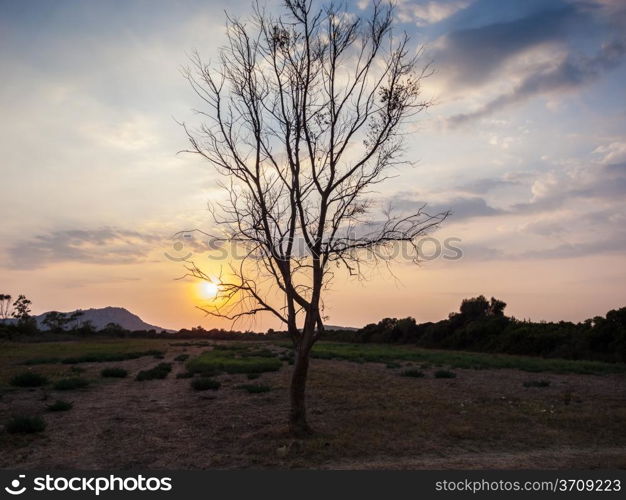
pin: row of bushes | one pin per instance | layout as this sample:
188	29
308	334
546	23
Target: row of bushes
480	326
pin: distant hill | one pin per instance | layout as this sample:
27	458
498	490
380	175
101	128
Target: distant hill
101	317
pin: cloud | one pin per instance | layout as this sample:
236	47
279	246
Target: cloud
425	13
470	57
461	208
99	246
574	71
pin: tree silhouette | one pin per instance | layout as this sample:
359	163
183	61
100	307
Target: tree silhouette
303	117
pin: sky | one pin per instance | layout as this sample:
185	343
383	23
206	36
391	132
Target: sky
525	144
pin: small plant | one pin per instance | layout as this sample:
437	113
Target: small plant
114	372
184	375
413	372
252	376
204	384
182	357
29	379
536	383
60	405
25	425
444	374
69	384
160	371
255	388
393	364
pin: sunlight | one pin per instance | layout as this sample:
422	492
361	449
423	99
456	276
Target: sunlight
209	289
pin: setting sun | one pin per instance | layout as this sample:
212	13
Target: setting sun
209	289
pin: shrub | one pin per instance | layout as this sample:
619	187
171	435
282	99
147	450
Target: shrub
413	373
29	379
252	376
69	384
393	364
221	360
444	374
255	388
160	371
205	383
25	425
60	405
536	383
114	372
184	375
182	357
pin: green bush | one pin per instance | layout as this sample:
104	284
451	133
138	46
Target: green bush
221	360
114	373
255	388
205	383
444	374
182	357
25	425
413	373
160	371
28	379
69	384
60	405
536	383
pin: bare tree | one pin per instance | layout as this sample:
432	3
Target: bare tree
302	119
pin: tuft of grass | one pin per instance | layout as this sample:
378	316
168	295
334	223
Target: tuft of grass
21	424
60	405
29	379
204	384
444	374
114	372
182	357
413	372
536	383
252	376
160	371
184	375
255	388
70	384
228	360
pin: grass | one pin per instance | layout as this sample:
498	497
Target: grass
255	388
114	372
204	384
160	371
445	374
385	353
21	424
70	384
60	405
29	379
536	383
228	360
413	372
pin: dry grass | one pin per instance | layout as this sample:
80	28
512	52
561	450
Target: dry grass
365	415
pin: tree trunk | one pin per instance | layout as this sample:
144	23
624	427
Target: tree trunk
298	425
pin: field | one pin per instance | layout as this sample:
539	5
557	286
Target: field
175	405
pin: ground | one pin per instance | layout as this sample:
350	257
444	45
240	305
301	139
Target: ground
366	415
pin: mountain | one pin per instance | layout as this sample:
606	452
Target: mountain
101	317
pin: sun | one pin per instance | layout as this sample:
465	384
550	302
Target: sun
209	289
